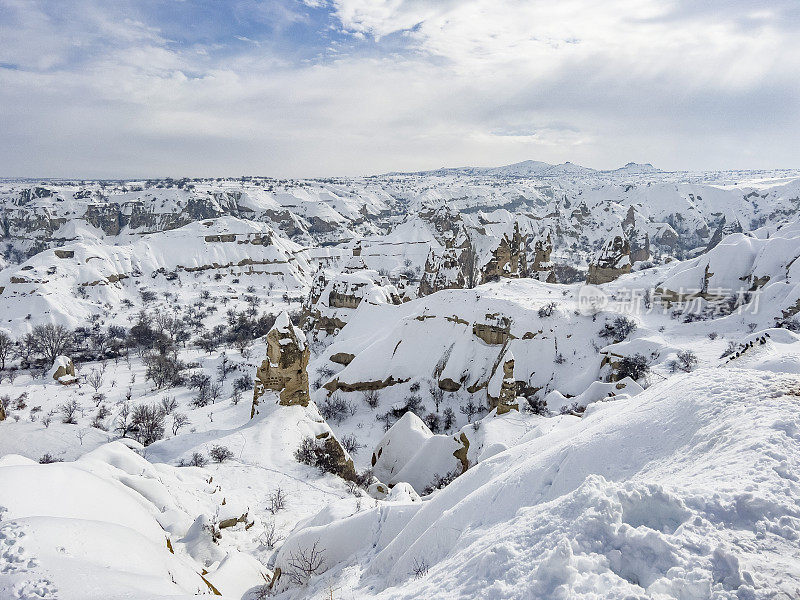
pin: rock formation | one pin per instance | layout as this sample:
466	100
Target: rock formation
539	265
509	259
507	400
443	272
63	370
284	369
2	411
613	260
330	308
638	238
452	266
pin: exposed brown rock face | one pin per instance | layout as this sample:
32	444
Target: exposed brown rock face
444	272
2	412
509	258
639	240
613	260
461	453
343	464
495	333
342	358
361	386
540	267
508	390
448	385
64	370
455	266
284	369
337	300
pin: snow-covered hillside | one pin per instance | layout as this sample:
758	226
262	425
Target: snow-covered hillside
402	386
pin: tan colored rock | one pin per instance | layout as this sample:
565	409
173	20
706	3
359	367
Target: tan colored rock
2	412
342	358
343	464
284	369
63	370
541	268
509	258
448	385
639	240
496	332
506	402
361	386
613	260
461	453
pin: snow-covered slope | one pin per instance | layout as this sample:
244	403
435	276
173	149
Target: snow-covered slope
508	431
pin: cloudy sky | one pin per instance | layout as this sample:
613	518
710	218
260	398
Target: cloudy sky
90	88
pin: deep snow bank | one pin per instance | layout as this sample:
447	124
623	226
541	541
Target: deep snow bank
687	490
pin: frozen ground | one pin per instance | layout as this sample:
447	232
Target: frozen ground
683	484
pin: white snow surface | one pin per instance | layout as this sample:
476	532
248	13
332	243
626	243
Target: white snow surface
680	485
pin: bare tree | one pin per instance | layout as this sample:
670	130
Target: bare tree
470	409
95	379
6	346
436	392
179	420
51	340
82	434
242	344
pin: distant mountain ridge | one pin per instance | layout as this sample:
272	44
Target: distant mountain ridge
532	168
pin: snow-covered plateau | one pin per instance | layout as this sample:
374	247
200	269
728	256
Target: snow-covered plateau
533	381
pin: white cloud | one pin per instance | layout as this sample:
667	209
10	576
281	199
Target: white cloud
478	82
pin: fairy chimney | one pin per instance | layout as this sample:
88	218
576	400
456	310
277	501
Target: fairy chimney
284	368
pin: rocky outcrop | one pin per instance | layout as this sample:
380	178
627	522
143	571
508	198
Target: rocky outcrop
342	358
496	331
63	370
509	259
613	260
638	238
461	453
361	386
342	464
539	265
284	369
722	230
443	272
506	402
331	303
2	411
453	264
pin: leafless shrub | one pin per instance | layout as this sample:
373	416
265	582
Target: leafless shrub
304	563
68	412
437	393
197	460
372	398
351	445
686	361
335	408
220	454
48	458
420	568
277	500
271	536
168	404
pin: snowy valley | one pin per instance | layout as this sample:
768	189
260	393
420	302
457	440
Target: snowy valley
530	381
